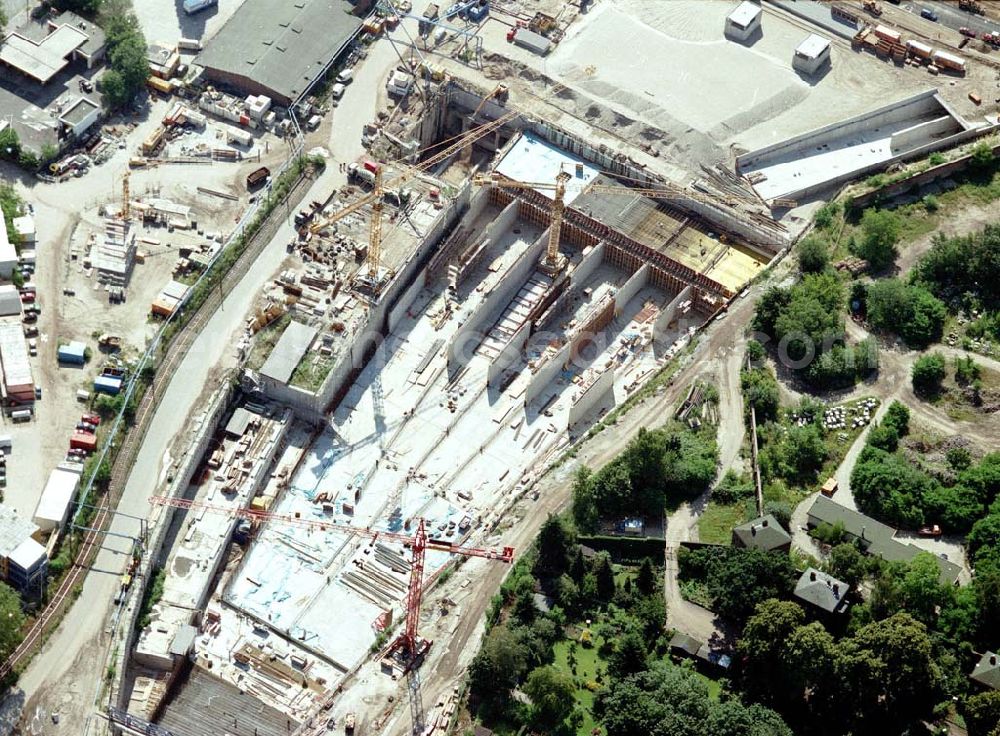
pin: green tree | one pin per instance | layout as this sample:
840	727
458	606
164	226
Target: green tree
884	437
984	538
498	666
628	656
921	589
760	391
982	713
10	144
762	647
645	579
551	693
927	374
966	370
732	718
803	452
888	487
847	563
814	254
892	672
584	502
908	309
604	576
555	542
880	233
664	700
743	578
898	417
13	620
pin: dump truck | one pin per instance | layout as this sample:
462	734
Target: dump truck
971	6
349	723
873	8
257	177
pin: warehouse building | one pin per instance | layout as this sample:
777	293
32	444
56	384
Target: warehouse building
41	50
23	562
277	48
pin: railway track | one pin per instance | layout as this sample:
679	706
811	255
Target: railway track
178	349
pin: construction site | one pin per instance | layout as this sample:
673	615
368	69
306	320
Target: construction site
515	256
445	327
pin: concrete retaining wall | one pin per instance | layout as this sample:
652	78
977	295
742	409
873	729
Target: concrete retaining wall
409	296
126	632
588	264
630	288
601	390
470	334
663	320
509	356
923	133
369	333
918	104
546	373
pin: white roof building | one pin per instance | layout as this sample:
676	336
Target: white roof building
25	227
54	504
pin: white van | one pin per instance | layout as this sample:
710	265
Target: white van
337	91
21	415
83	396
346	75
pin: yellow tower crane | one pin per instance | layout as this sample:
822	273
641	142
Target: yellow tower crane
375	197
554	261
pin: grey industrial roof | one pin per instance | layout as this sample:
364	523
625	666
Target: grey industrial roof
10	300
183	640
987	671
762	533
686	643
855	523
822	590
80	110
291	348
240	421
879	537
281	45
13	530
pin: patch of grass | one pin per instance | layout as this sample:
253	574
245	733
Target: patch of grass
311	371
716	524
265	340
696	592
588	665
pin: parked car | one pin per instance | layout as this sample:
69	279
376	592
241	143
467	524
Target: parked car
967	32
86	427
94	419
931	530
929	14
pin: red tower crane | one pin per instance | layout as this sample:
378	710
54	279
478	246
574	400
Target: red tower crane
418	543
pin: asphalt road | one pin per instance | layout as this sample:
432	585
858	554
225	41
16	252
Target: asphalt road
950	16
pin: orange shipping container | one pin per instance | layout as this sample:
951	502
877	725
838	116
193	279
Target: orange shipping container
83	441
